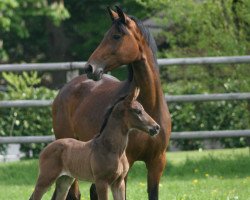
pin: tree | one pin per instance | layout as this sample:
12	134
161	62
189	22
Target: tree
22	28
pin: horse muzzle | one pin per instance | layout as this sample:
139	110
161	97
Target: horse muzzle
92	72
154	130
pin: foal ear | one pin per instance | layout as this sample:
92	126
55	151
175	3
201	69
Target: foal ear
136	93
121	14
132	95
113	14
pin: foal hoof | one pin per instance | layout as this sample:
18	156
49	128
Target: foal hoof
73	196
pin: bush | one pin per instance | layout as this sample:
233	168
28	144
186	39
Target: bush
215	115
26	121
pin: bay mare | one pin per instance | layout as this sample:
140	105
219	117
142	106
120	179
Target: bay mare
79	107
101	160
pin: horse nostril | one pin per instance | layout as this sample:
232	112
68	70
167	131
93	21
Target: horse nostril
101	71
157	127
89	69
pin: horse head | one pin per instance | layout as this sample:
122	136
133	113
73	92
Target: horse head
118	47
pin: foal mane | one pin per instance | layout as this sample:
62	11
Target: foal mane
108	114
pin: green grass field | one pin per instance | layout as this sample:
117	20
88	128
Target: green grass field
215	175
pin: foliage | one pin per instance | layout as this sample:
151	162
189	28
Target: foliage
20	26
85	34
220	115
46	30
76	29
26	121
203	28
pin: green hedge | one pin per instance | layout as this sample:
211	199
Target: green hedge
213	115
26	121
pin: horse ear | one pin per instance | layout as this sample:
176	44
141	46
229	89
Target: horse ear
121	15
113	14
132	96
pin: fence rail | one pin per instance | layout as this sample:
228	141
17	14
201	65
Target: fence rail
174	136
72	68
204	60
161	62
169	99
26	139
41	66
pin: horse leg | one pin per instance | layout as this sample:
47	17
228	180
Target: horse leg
118	190
102	190
93	193
155	170
63	184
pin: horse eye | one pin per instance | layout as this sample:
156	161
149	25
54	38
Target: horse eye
116	37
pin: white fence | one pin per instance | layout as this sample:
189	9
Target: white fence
72	68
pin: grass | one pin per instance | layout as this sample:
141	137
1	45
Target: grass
214	174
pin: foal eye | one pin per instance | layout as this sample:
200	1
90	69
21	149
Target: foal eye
116	37
138	112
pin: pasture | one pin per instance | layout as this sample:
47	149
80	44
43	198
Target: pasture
191	175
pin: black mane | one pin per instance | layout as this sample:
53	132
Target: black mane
108	114
147	36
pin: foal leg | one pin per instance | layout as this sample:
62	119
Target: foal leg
42	185
102	190
118	190
155	170
73	193
63	184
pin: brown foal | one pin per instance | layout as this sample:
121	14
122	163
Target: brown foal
101	160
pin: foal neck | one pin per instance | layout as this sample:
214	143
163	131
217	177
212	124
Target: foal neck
114	137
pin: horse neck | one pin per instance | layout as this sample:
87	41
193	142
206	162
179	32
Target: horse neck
114	137
146	76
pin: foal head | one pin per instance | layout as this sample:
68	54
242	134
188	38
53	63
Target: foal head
121	45
135	117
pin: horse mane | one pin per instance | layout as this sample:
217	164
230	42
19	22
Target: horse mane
108	114
147	36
